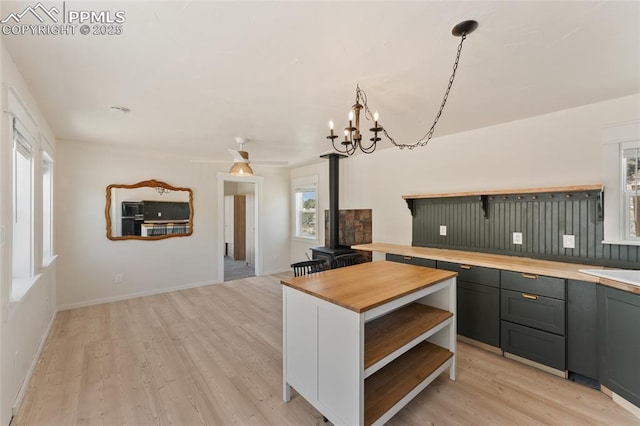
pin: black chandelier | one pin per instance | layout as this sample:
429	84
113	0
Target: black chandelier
352	135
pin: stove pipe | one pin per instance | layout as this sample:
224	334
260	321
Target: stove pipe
334	185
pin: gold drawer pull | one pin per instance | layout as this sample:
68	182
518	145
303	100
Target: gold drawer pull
529	296
408	258
465	267
530	276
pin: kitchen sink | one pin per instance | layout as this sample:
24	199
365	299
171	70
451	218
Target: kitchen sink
627	276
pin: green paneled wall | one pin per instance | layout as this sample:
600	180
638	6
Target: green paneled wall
542	219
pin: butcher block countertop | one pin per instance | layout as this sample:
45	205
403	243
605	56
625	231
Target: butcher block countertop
368	285
511	263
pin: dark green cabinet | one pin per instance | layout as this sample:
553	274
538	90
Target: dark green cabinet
539	346
533	317
532	310
478	302
411	260
619	342
582	321
478	312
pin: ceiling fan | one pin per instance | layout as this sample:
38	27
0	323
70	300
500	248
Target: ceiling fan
241	165
241	157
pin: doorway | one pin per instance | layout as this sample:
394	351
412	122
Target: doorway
238	225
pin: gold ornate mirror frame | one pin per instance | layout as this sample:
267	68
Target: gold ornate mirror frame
147	184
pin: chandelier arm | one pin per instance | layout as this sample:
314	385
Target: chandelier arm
368	149
340	151
424	140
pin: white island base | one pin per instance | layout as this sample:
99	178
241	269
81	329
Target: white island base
360	363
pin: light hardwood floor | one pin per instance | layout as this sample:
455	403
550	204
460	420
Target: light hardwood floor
212	355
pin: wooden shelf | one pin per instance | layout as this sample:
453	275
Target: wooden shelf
574	188
386	334
388	386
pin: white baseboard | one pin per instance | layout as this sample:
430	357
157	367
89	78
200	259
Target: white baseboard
32	368
102	300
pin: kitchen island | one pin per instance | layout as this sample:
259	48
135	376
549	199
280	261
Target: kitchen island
360	342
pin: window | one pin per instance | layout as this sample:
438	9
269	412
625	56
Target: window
631	190
621	155
22	240
47	208
305	214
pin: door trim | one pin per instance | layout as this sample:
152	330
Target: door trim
223	177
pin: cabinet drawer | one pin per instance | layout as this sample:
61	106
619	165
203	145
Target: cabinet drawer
478	314
539	312
539	346
473	274
534	284
411	260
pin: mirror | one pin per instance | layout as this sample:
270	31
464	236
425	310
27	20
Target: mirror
148	210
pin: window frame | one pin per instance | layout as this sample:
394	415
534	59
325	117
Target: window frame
298	186
627	194
48	194
616	138
23	144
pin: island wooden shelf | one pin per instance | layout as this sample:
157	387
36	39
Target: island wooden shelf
385	335
405	374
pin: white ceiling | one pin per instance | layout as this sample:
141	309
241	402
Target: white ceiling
197	74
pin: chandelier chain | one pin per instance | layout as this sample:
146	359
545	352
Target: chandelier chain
353	134
424	140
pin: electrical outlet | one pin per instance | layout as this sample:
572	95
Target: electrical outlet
118	278
443	230
159	214
517	238
568	241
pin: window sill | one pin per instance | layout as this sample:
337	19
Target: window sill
306	240
21	286
47	261
622	243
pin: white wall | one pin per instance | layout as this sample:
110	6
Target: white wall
24	323
561	148
89	261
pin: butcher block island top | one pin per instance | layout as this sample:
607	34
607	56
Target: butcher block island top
385	281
